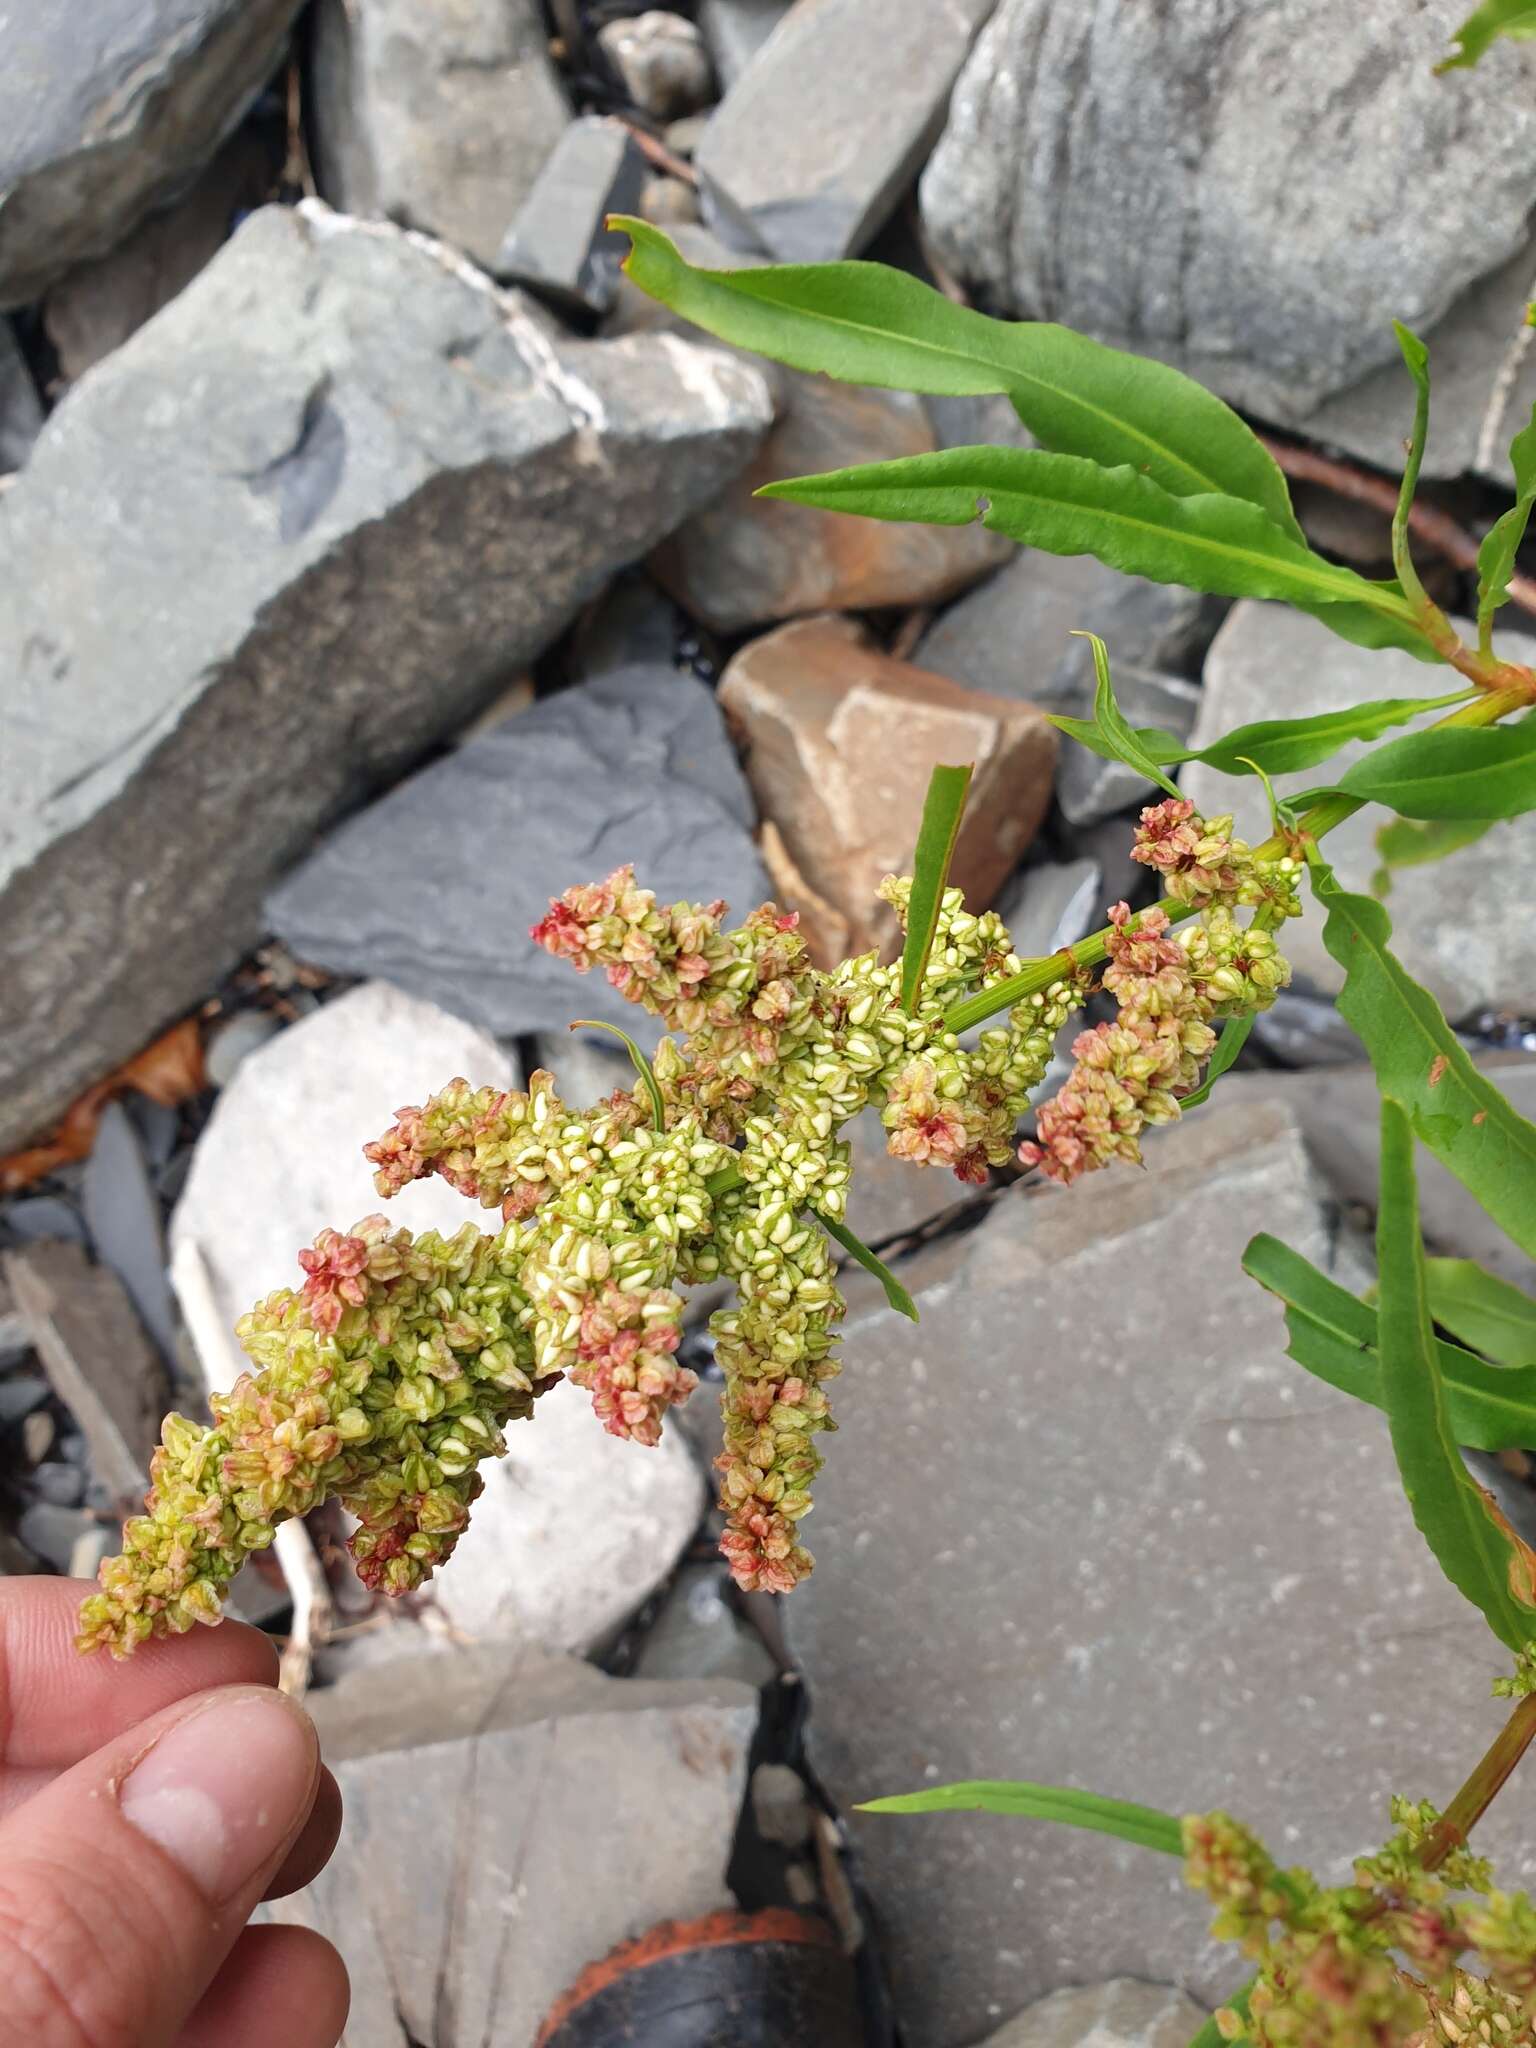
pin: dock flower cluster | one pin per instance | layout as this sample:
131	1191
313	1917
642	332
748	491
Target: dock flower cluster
1404	1957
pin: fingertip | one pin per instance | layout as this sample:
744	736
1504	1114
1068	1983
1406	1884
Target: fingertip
317	1840
284	1984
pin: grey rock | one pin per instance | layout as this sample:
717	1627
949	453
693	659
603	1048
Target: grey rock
96	1356
1082	1479
21	410
977	419
1124	2013
20	1393
59	1484
1484	957
632	624
35	1218
892	1196
1089	788
52	1533
122	1213
815	143
660	60
781	1805
441	117
233	1042
1051	905
92	1546
1250	252
550	1814
437	884
558	244
698	1634
98	126
1304	1029
587	1065
1108	845
338	450
735	30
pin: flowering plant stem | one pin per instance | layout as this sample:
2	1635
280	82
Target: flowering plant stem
1450	1832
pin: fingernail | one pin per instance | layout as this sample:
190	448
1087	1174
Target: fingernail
222	1791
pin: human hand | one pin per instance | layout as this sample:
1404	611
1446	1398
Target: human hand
145	1809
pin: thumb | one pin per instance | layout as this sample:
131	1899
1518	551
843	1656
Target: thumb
124	1883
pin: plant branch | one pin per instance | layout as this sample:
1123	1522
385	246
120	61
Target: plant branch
1475	1797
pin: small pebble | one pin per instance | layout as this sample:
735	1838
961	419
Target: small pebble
91	1546
37	1434
235	1041
19	1395
60	1485
52	1532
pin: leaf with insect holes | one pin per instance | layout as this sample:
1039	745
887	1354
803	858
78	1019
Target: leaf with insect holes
1450	1510
1410	843
943	810
1334	1337
1143	1825
638	1060
1482	29
1455	1110
860	1252
1496	556
1459	771
1493	1316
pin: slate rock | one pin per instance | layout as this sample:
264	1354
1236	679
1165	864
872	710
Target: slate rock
440	117
231	1043
123	1216
840	741
1266	659
699	1634
21	410
436	885
568	1537
52	1532
660	60
1052	904
813	146
1304	1029
1124	2013
1090	1475
339	452
1251	253
735	30
99	124
558	245
508	1823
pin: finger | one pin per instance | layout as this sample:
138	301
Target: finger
57	1706
280	1984
312	1851
123	1884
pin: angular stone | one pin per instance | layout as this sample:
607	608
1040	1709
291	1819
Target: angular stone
21	410
1250	254
437	884
813	146
96	1356
1124	2013
507	1824
558	244
698	1634
1267	656
441	117
124	1217
840	741
1090	1475
97	129
736	30
1051	905
337	453
660	60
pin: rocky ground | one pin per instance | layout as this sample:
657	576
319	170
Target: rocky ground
374	563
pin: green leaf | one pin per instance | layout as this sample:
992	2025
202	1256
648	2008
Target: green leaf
1119	741
1408	843
641	1065
943	809
1416	361
1482	29
1496	556
860	1252
1334	1337
1450	1509
1456	1111
1070	506
1280	746
1143	1825
1452	771
1211	2036
1234	1036
1484	1311
869	324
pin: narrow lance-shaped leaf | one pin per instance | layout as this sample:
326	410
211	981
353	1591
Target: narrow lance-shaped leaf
1455	1110
1333	1336
869	324
1450	1509
1114	729
1457	771
1143	1825
860	1252
1234	1036
943	809
1484	1311
1412	843
641	1064
1482	29
1280	746
1496	556
1416	361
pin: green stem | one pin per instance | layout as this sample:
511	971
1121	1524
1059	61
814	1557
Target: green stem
1475	1797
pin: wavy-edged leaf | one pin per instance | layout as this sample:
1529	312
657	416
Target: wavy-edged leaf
1413	843
1280	746
861	1254
1453	771
1496	556
1482	29
1493	1316
1234	1036
869	324
1455	1110
943	809
1144	1825
1450	1510
641	1064
1119	740
1334	1337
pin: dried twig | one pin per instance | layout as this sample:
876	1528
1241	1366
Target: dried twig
658	153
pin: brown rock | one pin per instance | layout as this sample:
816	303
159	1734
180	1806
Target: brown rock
747	561
840	740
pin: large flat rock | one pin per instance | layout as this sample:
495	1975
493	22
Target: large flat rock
1086	1524
319	509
